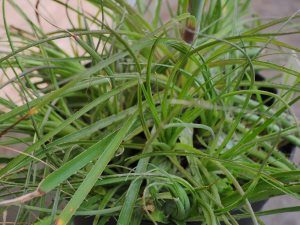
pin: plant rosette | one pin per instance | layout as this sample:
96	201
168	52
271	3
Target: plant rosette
148	113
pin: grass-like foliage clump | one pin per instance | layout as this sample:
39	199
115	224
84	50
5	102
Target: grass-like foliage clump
137	118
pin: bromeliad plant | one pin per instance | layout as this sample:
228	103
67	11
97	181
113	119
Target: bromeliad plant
146	119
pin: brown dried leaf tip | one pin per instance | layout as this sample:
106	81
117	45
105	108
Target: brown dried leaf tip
189	31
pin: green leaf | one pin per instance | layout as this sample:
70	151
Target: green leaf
105	156
71	167
15	162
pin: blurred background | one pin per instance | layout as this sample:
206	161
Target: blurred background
265	9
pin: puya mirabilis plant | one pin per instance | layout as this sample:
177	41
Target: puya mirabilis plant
142	122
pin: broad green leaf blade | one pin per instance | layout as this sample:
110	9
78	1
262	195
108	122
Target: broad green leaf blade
14	163
72	166
105	156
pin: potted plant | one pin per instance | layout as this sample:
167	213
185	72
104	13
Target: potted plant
160	122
